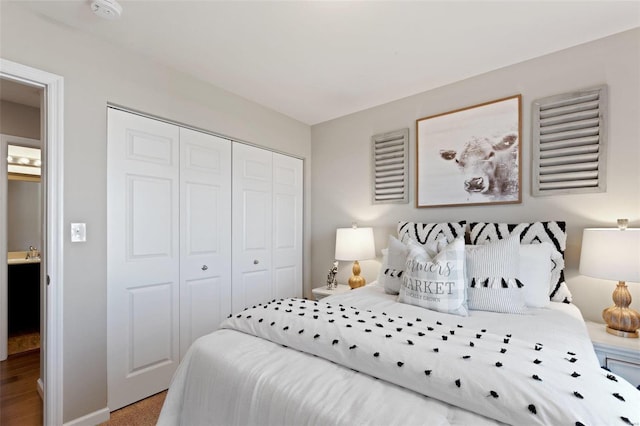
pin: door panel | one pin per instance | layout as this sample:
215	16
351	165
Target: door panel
149	206
149	147
142	256
202	218
287	281
205	234
252	230
205	301
256	233
255	289
284	217
149	327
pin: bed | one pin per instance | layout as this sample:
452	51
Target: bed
365	358
231	377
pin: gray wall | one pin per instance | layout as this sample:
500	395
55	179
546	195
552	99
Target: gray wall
96	72
341	159
19	120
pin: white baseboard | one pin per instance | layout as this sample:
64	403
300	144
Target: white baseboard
91	419
41	388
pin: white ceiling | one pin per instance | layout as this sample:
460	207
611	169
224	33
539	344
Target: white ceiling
315	61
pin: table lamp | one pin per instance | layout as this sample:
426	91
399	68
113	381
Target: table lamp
614	254
354	244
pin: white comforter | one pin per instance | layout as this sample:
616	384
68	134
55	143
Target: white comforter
231	377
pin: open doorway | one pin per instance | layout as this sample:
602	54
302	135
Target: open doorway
24	215
23	283
50	378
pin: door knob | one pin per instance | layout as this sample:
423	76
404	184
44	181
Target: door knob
255	262
205	267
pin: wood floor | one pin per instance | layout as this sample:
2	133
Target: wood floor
20	403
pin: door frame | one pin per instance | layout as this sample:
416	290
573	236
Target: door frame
53	229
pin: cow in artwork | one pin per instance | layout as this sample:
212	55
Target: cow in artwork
490	167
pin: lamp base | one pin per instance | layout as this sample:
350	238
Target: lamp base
621	333
356	280
621	320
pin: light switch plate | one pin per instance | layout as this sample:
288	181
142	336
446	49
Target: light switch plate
78	232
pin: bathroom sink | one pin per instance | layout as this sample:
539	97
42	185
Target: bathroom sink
20	258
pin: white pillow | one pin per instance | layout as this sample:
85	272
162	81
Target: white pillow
385	260
553	232
435	282
393	269
535	273
492	277
394	258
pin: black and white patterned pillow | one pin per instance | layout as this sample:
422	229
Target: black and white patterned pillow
553	232
424	233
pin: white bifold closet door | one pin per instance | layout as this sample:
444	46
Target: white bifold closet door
252	231
191	234
287	240
143	256
267	226
205	234
168	249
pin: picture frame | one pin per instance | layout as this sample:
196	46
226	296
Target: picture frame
470	156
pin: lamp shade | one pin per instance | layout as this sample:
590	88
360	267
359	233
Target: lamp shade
611	254
355	244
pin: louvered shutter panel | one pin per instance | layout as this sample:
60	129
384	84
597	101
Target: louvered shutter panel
390	158
569	143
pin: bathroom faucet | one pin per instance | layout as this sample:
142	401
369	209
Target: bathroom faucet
32	253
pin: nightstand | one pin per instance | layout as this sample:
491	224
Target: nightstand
322	292
619	354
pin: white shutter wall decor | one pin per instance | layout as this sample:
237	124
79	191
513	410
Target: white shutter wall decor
569	143
390	167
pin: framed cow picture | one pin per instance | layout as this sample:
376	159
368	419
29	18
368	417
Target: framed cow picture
470	156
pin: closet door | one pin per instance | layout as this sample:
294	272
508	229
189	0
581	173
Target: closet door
142	256
205	234
251	226
287	226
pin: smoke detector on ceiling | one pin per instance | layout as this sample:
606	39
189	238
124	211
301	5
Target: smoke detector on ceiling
108	9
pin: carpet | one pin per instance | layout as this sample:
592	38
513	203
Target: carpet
141	413
23	343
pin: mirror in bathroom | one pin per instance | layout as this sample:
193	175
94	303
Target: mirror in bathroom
23	163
